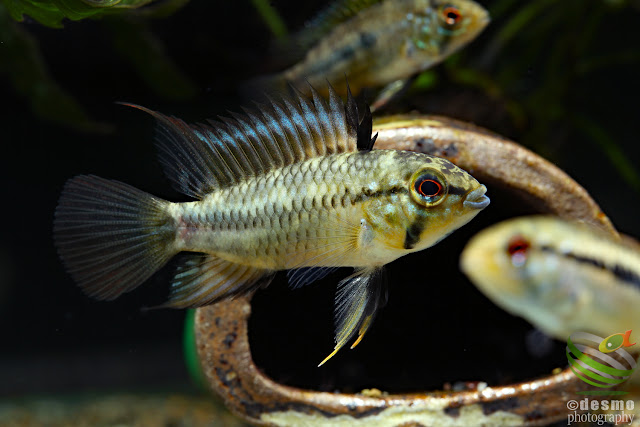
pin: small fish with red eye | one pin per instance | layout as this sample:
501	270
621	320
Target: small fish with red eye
378	44
561	276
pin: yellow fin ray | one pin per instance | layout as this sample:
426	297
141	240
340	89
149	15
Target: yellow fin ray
357	300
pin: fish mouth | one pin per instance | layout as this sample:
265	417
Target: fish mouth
480	15
476	198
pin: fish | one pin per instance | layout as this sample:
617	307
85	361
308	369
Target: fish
379	43
615	341
291	185
560	276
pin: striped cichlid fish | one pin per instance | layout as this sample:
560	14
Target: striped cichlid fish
294	185
378	43
561	276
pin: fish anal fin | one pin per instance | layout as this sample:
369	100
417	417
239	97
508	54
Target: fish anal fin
203	279
357	300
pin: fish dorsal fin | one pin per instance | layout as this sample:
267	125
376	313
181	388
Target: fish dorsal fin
325	21
363	127
201	158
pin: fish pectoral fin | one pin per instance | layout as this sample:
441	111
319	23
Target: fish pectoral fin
391	91
357	300
203	279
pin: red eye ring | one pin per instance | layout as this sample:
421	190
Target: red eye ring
451	15
517	249
432	189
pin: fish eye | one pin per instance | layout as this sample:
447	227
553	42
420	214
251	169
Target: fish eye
517	249
428	187
451	15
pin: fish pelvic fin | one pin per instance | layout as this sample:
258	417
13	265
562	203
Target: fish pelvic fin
358	298
111	236
203	279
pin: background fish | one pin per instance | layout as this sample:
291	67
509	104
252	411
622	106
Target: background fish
295	185
378	43
562	277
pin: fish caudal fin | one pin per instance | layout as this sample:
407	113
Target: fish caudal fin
111	236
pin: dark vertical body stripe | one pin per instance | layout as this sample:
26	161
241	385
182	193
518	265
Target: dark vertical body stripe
412	233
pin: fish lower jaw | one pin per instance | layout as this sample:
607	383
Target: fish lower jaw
476	199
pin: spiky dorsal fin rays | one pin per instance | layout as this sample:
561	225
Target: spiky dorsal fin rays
353	118
362	128
358	298
185	161
325	121
301	128
312	122
233	131
201	158
343	135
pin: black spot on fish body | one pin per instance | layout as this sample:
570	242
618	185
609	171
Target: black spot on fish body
366	193
459	191
412	235
449	167
367	40
345	54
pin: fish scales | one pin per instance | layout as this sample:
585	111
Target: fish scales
291	216
293	186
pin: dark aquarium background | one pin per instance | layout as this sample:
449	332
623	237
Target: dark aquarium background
560	77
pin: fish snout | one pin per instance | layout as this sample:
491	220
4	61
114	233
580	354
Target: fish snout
476	199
